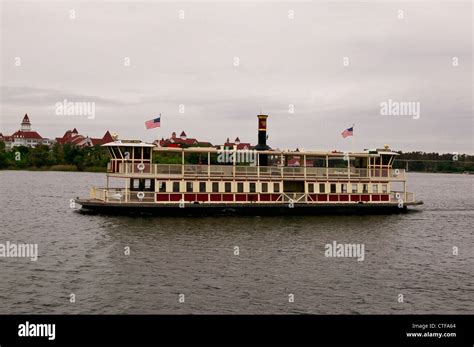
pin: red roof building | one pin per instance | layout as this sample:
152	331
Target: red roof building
25	123
182	141
5	138
25	136
240	145
105	139
73	137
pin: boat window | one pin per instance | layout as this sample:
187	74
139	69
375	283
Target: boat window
322	187
162	186
375	188
276	187
384	188
228	187
360	163
215	187
127	153
264	187
294	186
146	153
252	187
354	187
116	152
344	187
168	158
365	188
175	187
120	152
111	153
316	161
333	188
240	187
189	187
337	162
202	187
310	187
386	159
138	151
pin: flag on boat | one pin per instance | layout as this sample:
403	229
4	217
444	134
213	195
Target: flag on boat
348	132
153	123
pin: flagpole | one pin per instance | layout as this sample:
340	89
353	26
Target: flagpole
353	140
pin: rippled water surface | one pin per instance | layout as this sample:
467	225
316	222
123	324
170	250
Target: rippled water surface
409	254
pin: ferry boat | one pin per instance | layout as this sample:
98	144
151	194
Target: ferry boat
262	181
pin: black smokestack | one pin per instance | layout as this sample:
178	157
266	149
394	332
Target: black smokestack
262	139
262	133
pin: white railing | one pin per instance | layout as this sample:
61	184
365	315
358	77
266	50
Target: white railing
121	195
195	170
220	171
294	197
168	169
246	171
270	171
316	172
293	171
183	171
405	197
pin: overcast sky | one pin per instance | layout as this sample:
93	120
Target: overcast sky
283	60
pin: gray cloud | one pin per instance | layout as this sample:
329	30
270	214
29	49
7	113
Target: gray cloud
40	97
281	62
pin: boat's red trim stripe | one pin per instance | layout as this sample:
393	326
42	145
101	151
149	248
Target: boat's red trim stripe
244	197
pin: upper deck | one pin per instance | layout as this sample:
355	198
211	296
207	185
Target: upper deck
136	159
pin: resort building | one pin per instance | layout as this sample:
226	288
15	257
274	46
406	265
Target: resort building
73	137
181	142
25	136
238	144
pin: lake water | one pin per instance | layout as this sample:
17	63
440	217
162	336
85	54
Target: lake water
409	254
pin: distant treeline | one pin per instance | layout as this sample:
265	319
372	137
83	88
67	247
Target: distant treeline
72	158
434	162
58	157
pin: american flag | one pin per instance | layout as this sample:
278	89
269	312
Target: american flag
348	132
154	123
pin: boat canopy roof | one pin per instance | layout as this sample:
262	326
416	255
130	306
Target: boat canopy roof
128	143
366	153
139	143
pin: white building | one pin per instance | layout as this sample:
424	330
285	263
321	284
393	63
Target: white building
25	136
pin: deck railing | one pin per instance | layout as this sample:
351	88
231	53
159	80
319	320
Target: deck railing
255	172
122	195
402	197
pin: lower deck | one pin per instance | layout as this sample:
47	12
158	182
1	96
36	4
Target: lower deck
123	195
127	197
242	191
276	192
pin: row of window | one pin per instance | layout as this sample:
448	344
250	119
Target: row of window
31	140
265	187
217	187
343	188
28	140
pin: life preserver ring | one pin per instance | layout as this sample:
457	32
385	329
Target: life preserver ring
141	166
140	195
397	172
